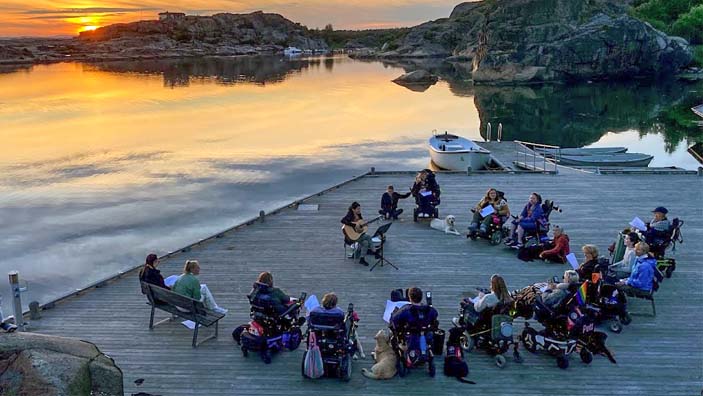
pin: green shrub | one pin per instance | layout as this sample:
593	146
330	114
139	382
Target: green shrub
690	25
698	55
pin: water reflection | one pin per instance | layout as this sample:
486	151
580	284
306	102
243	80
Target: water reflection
220	70
100	164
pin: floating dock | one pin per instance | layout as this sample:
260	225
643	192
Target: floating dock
304	251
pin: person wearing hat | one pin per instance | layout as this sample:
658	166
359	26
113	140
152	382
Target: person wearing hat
658	227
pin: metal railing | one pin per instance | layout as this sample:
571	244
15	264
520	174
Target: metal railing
532	154
488	132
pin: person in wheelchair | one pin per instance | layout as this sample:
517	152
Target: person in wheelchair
263	291
484	305
495	199
426	192
413	327
657	229
528	220
556	293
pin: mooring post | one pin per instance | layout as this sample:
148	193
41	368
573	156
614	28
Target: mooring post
700	171
262	215
34	310
14	277
373	170
468	171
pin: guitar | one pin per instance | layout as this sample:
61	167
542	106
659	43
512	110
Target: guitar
360	227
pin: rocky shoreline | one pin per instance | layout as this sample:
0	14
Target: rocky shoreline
508	42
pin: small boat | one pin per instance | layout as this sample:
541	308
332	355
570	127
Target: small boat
292	51
454	152
551	152
698	110
618	159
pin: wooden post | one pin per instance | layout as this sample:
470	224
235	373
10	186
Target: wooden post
700	171
14	278
262	215
373	170
468	171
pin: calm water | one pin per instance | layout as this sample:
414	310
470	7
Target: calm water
104	163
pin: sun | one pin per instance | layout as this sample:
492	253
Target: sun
88	28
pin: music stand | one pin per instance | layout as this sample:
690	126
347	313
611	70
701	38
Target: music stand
381	232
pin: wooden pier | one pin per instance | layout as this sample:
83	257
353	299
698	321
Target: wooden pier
304	251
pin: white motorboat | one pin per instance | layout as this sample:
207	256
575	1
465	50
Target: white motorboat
292	51
454	152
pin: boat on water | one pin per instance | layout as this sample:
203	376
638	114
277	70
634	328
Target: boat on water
698	110
601	160
551	152
452	152
291	51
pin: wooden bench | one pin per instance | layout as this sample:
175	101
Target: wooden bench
181	306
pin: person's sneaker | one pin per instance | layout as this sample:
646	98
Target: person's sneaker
516	245
363	261
220	310
455	321
8	327
509	241
398	213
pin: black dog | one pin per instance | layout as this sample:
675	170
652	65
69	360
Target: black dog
454	363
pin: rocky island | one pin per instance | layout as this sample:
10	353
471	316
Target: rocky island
491	41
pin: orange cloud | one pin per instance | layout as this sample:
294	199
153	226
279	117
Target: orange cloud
64	17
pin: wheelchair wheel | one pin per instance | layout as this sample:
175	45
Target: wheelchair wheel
400	367
563	362
501	362
467	342
626	319
345	369
496	237
529	339
266	356
586	356
296	336
415	215
669	271
615	327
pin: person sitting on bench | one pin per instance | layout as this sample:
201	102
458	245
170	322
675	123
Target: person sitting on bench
559	247
389	203
642	276
188	285
150	274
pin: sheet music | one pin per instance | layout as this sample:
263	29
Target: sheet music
171	280
488	210
311	303
571	258
390	307
639	224
425	193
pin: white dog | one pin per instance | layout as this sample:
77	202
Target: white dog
446	225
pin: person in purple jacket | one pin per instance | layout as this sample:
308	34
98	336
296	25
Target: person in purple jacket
531	214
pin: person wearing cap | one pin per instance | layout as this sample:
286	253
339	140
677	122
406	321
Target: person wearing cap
658	227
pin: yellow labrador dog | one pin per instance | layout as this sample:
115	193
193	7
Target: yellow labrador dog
385	359
446	225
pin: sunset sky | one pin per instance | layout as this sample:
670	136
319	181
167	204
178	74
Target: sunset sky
68	17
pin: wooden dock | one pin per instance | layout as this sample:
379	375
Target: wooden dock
304	251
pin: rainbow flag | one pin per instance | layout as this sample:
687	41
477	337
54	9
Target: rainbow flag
581	293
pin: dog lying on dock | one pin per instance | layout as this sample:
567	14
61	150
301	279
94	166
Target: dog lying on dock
385	359
446	225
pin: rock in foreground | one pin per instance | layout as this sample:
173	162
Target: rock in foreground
35	364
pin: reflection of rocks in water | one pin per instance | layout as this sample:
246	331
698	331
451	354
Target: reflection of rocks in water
14	68
574	116
226	71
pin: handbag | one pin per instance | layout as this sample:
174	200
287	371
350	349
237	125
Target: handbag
313	366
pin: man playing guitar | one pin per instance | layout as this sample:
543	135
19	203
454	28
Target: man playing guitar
354	229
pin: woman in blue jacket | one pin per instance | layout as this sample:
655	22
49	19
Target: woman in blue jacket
531	214
642	276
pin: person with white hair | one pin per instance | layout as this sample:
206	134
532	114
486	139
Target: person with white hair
555	293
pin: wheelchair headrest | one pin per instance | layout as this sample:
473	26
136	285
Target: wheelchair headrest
326	320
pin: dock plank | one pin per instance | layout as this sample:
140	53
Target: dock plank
304	251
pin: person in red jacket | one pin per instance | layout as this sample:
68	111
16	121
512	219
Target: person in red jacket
557	254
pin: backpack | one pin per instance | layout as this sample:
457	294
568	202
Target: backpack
313	366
